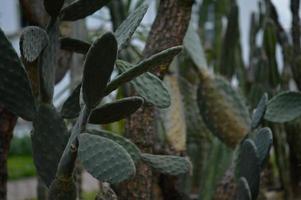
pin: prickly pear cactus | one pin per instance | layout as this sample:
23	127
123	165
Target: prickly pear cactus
108	157
222	109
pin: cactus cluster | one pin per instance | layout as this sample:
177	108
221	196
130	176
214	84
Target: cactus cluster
27	90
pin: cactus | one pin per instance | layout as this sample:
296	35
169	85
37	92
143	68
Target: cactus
124	32
71	107
80	9
248	166
106	156
13	79
222	109
258	114
150	87
105	159
33	41
284	107
131	148
97	72
172	165
53	8
48	141
115	111
243	190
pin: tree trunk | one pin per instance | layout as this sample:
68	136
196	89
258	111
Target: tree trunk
7	124
168	30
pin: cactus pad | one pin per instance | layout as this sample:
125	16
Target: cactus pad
62	189
149	63
79	9
130	147
71	107
115	111
104	159
74	45
171	165
49	139
149	86
15	90
48	63
222	109
193	45
98	68
248	166
33	41
174	116
127	28
53	7
243	190
259	112
284	107
263	141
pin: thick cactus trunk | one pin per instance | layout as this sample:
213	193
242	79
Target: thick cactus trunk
7	124
168	30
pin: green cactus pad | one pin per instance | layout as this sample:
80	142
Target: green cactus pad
149	63
248	165
98	68
149	86
259	112
130	147
263	141
127	28
171	165
49	139
15	90
193	45
115	111
62	189
79	9
33	41
71	107
48	63
104	159
223	109
53	7
74	45
284	107
243	190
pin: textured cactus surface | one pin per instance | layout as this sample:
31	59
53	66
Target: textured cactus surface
13	77
98	68
129	25
284	107
62	189
71	107
145	65
174	116
131	148
53	7
263	141
149	86
258	115
243	190
248	166
222	109
48	63
33	41
193	46
74	45
79	9
172	165
115	111
49	139
104	159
